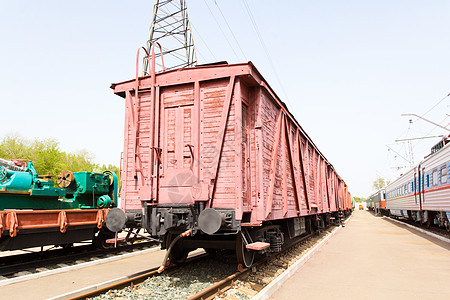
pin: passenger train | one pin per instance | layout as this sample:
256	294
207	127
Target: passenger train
423	193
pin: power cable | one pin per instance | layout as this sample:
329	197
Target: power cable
229	28
261	41
439	102
206	44
217	22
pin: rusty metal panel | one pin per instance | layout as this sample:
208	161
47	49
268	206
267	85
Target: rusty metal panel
14	221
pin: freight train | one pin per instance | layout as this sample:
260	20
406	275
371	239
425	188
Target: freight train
35	213
213	159
423	193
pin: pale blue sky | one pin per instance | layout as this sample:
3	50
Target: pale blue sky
347	69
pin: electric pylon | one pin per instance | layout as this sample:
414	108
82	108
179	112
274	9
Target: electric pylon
172	30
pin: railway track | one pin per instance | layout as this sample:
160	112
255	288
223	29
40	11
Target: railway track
206	277
21	265
247	283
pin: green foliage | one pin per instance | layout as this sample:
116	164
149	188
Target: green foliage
13	147
379	183
359	199
79	161
47	156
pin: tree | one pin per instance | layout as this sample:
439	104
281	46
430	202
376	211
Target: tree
359	199
47	157
79	161
13	147
379	183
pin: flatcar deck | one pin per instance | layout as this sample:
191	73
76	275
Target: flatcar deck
373	258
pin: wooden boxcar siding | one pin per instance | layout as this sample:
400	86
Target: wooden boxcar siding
212	94
320	185
136	127
268	166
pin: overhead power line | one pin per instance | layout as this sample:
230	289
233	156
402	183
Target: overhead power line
229	28
439	102
263	45
221	30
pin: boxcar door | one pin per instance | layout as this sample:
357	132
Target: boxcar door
176	176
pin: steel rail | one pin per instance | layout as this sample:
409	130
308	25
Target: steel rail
135	279
207	293
221	286
24	262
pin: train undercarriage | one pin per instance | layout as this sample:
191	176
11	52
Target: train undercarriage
181	229
429	218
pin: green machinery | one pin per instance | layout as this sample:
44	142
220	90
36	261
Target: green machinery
79	190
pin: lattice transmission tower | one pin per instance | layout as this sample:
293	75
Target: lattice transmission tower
172	30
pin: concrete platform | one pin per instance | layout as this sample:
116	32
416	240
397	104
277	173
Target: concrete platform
57	285
373	258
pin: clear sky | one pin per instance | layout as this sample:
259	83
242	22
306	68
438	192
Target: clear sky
346	69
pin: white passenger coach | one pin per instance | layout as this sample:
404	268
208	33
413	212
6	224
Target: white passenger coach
423	193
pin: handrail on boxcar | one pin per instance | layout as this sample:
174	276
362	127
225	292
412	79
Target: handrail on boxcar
152	60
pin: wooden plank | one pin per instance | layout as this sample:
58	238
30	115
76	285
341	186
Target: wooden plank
293	160
238	149
284	198
302	167
220	139
155	153
279	127
260	160
196	129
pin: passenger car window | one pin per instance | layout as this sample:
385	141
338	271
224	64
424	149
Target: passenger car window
435	177
444	174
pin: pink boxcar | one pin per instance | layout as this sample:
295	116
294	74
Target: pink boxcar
214	150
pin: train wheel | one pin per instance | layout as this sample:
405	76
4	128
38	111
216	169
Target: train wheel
244	256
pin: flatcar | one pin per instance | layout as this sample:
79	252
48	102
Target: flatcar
35	213
213	155
423	193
